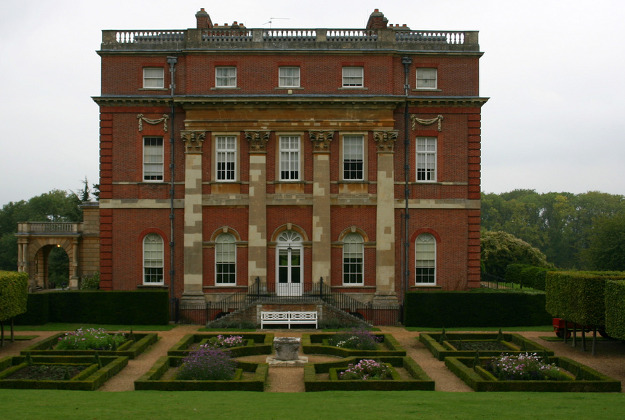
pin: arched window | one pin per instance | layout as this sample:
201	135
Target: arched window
353	256
425	265
152	259
225	259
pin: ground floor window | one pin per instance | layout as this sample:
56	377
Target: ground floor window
225	259
353	253
152	259
425	266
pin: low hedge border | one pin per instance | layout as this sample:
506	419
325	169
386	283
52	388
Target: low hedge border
260	344
586	379
313	344
130	349
420	380
151	380
88	380
440	351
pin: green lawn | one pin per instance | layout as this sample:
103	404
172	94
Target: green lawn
34	404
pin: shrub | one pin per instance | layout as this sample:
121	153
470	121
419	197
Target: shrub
90	282
207	364
357	340
525	366
90	339
366	369
13	294
225	341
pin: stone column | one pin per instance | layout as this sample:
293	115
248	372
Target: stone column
321	223
193	293
257	223
385	219
73	280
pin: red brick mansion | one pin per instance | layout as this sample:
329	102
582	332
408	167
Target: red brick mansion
234	159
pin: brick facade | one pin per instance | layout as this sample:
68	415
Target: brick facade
320	211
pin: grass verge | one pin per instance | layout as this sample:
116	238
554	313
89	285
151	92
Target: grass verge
37	404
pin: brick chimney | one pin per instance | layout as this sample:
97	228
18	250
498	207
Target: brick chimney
377	20
203	20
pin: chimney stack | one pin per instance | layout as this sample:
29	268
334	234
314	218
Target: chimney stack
377	20
203	20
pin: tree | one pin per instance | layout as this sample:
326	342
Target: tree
606	250
499	249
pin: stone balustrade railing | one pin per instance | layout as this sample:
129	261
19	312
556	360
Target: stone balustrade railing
305	39
53	228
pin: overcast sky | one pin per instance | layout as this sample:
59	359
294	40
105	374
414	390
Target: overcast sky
553	70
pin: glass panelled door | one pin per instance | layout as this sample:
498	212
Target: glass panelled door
289	265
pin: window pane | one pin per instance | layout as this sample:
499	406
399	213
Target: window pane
153	159
353	157
153	78
425	261
353	76
225	259
426	78
288	77
226	76
226	157
353	253
152	259
289	158
426	159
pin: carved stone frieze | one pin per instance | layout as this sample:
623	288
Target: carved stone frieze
321	140
426	121
193	141
385	140
257	140
143	119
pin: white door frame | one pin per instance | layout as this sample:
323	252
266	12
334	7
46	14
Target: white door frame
290	244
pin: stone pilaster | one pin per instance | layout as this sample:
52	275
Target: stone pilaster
257	223
321	223
193	141
385	219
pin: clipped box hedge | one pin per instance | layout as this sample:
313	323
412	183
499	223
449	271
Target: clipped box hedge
13	294
478	308
317	344
152	380
615	309
527	275
586	379
257	343
419	379
579	296
128	307
441	348
131	348
89	379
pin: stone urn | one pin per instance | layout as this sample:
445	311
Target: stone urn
287	348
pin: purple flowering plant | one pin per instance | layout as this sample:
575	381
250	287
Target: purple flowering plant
225	341
366	369
90	339
207	364
525	366
356	339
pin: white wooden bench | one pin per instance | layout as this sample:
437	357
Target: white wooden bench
288	317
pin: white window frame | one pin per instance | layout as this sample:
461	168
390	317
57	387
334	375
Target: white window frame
426	159
427	78
226	153
351	156
225	257
153	78
351	78
290	155
425	240
353	248
153	259
286	80
226	77
153	159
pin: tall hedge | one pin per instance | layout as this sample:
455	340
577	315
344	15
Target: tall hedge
579	296
615	309
136	307
479	308
527	275
13	294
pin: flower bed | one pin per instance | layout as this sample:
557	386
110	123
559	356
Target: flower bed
573	377
326	376
254	344
161	377
132	345
443	345
93	371
321	343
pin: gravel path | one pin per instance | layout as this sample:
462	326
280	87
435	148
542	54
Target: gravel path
610	358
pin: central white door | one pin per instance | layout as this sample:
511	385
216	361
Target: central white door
289	264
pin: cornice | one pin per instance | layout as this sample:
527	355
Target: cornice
338	100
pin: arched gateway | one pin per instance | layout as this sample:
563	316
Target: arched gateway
81	242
